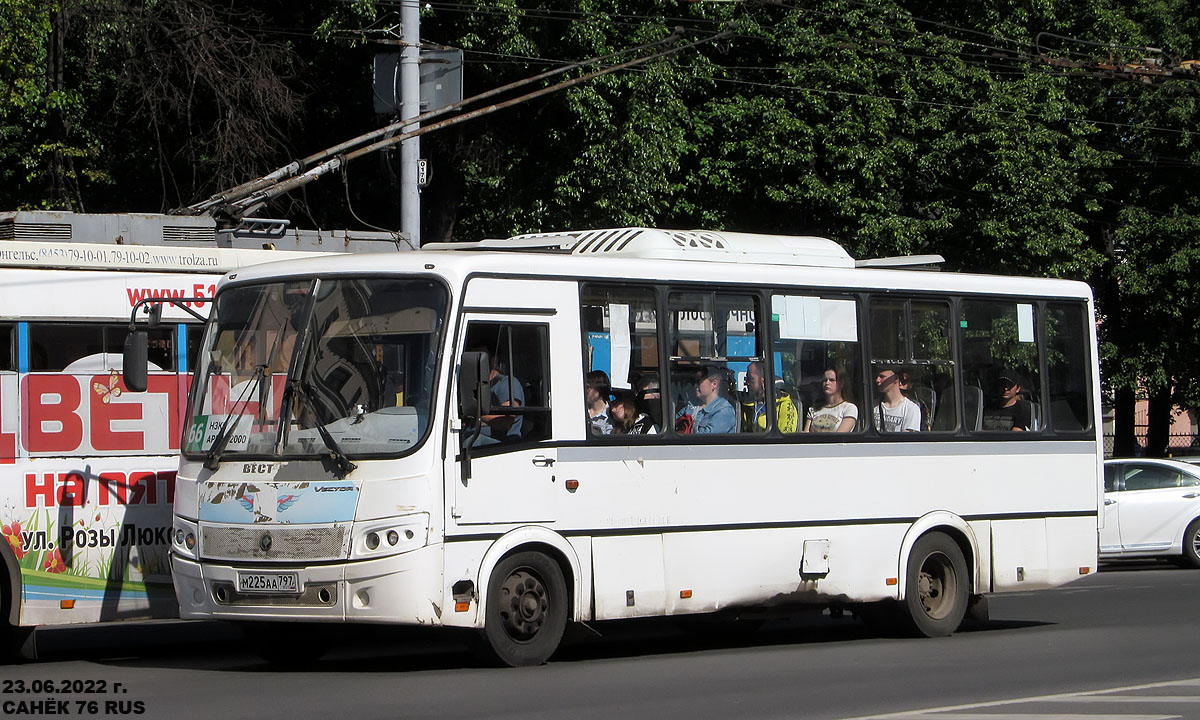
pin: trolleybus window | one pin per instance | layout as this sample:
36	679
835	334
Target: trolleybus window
54	347
7	359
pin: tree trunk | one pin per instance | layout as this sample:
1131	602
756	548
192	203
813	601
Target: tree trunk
1124	442
1158	433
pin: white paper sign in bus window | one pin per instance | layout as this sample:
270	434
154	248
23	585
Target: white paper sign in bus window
804	317
618	322
1024	323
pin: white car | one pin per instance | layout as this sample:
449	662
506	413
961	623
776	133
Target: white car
1151	509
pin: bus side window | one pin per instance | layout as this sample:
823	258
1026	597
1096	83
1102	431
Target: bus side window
818	368
8	346
910	338
1069	402
714	338
1000	357
520	376
620	333
88	347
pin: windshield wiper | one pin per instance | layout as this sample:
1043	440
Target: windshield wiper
344	466
212	460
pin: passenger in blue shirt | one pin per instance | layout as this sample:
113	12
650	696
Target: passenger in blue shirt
717	414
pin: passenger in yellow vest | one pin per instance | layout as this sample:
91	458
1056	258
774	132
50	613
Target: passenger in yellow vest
754	405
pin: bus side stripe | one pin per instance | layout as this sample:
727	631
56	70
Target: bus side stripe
663	530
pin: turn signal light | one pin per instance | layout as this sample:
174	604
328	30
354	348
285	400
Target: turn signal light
66	604
890	581
685	594
1084	570
462	606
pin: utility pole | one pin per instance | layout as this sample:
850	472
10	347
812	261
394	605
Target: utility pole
410	96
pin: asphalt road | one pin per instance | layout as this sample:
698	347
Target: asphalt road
1084	651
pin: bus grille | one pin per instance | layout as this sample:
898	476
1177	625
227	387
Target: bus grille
281	542
60	232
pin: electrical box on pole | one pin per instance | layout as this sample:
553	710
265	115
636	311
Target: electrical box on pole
441	80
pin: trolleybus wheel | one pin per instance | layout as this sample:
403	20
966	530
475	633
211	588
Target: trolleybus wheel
937	586
526	609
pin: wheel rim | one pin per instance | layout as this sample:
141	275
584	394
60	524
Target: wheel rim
1196	542
937	586
524	605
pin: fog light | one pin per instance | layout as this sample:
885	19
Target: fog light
393	537
190	541
372	541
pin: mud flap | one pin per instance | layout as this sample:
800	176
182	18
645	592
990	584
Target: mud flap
977	608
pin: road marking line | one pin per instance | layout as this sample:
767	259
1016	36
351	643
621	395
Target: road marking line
1038	716
1083	696
1130	698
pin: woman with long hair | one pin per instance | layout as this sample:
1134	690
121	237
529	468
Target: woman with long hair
839	413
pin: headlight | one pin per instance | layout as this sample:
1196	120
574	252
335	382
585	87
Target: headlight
380	538
184	538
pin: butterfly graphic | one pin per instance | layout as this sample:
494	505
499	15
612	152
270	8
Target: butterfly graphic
110	391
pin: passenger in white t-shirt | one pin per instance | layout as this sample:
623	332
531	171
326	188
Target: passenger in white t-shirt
838	414
898	413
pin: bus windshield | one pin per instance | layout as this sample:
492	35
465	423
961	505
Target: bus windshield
316	367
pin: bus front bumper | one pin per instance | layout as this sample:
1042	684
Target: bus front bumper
403	589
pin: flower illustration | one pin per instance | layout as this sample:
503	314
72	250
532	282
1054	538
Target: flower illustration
12	533
54	562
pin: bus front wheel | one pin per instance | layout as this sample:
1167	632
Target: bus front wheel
937	587
526	609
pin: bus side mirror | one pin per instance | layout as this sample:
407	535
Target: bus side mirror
155	315
134	364
474	392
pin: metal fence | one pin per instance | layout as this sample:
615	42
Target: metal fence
1177	444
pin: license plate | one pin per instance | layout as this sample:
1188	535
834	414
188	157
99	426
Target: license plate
263	582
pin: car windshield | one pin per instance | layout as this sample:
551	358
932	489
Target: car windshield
341	366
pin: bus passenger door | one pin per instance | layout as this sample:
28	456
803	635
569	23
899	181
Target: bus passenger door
512	475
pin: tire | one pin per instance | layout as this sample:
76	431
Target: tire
937	586
1191	544
17	644
526	610
287	644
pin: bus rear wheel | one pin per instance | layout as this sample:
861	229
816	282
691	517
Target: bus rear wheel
526	610
937	586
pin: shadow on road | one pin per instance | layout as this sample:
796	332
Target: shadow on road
365	648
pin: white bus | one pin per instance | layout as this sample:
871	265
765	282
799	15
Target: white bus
87	468
405	439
